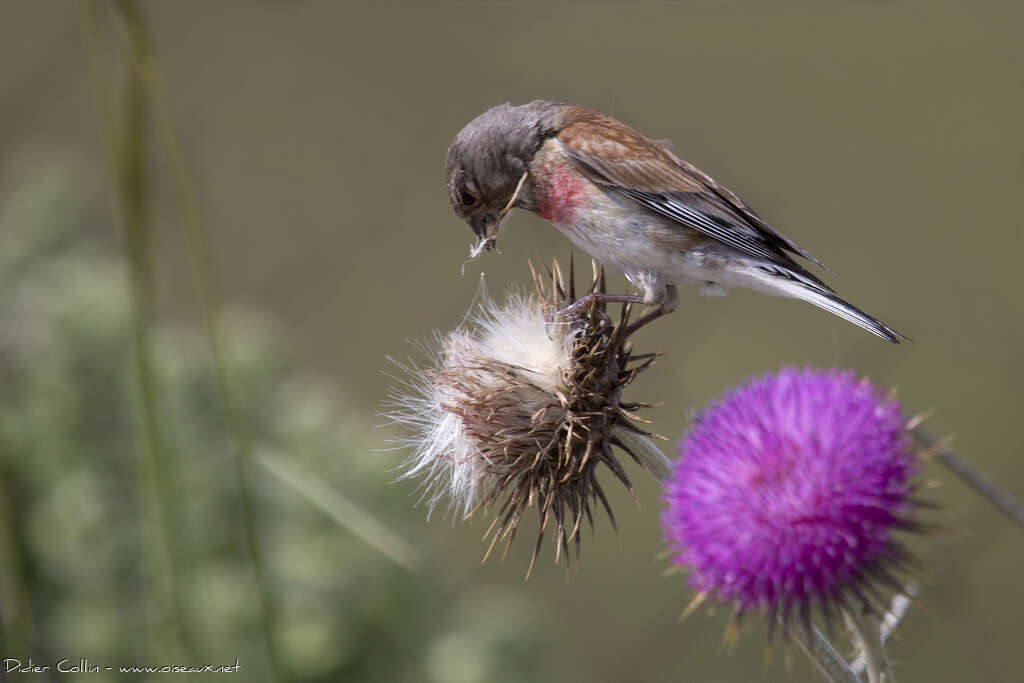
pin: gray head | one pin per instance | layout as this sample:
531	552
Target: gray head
488	158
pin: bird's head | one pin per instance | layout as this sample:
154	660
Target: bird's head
486	166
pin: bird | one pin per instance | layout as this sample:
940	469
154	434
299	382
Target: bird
631	203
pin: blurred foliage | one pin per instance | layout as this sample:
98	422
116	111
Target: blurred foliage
80	572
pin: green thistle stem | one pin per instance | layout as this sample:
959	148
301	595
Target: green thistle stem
1002	499
829	662
867	634
127	157
148	77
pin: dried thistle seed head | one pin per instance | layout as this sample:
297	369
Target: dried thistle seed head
522	406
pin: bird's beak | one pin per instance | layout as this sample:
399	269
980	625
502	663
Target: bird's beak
487	226
486	229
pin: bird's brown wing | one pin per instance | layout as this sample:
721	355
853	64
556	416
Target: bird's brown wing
616	156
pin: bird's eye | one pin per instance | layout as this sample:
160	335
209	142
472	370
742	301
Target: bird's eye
467	198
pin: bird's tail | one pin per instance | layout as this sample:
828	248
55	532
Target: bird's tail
844	309
775	280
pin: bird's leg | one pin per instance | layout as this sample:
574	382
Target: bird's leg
599	297
668	304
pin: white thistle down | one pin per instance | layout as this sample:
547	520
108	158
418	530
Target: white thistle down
508	349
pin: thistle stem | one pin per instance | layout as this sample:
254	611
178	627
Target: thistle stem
149	78
867	632
887	624
127	155
999	497
821	652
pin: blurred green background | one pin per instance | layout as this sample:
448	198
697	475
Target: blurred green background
885	137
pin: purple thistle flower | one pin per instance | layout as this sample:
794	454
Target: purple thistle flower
788	491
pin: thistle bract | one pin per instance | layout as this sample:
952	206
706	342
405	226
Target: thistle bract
788	492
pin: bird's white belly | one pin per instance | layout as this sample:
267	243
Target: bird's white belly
619	235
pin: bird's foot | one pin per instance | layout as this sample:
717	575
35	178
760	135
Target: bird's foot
668	304
584	302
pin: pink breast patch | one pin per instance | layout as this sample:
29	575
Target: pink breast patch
559	194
